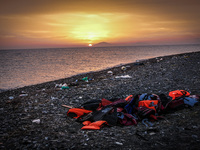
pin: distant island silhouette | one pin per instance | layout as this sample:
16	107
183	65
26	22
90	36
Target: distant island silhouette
102	44
106	44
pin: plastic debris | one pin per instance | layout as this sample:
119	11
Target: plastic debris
62	86
11	97
141	60
123	68
23	95
152	133
118	143
85	79
190	101
110	72
58	85
123	77
36	121
138	64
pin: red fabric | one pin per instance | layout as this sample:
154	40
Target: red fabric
119	109
176	103
105	102
128	120
153	117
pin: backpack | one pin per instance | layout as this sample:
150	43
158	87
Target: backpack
91	105
130	107
151	101
126	119
95	104
144	112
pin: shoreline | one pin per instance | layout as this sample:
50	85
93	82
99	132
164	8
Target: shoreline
96	72
109	46
32	117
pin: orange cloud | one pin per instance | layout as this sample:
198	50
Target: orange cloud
66	23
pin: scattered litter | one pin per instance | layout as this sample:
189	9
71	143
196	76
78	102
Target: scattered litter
62	86
138	64
11	97
67	106
123	68
152	133
141	60
123	77
147	108
110	72
85	79
23	95
65	87
118	143
36	121
58	85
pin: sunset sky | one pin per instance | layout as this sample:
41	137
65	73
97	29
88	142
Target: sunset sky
66	23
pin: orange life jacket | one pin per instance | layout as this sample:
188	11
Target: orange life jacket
129	98
95	125
152	104
77	112
178	93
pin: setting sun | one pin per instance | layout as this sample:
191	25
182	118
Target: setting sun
90	45
80	23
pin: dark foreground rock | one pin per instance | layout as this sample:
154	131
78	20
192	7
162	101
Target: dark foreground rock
33	117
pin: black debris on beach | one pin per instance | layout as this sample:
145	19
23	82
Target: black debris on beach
33	117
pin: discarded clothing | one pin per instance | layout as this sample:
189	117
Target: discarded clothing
123	77
190	101
94	126
142	107
178	93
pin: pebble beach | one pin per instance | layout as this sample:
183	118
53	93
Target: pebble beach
33	117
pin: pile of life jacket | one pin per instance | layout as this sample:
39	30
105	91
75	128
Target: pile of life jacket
141	107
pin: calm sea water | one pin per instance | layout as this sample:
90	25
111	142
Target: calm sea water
32	66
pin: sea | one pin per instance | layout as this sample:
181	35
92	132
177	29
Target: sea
24	67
